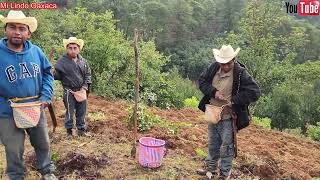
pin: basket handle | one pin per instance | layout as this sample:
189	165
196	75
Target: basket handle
13	104
16	99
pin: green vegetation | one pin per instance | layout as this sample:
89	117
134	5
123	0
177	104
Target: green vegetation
281	51
263	122
314	132
292	104
201	153
191	102
146	119
96	116
55	157
296	131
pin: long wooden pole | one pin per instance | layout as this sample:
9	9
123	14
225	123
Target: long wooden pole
235	141
136	92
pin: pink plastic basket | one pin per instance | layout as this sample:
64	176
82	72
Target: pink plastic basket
151	152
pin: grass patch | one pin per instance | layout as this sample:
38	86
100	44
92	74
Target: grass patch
96	116
55	156
296	132
173	127
201	153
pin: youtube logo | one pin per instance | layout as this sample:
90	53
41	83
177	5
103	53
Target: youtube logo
304	7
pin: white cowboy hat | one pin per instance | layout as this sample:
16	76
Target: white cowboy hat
225	54
73	40
18	17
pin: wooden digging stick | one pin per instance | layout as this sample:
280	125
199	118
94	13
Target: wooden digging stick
136	94
51	105
234	127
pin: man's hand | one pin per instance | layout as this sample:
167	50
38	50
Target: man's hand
84	88
53	70
219	96
233	115
44	104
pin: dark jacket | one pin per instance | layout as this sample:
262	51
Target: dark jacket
244	91
73	75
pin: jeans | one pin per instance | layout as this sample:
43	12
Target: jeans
221	147
13	140
71	104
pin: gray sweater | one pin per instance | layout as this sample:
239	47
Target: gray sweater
73	75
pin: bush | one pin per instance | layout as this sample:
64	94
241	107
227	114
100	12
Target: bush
191	102
146	119
176	90
263	122
314	132
290	109
167	90
185	87
296	132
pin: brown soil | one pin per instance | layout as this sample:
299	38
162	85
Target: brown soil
78	162
262	153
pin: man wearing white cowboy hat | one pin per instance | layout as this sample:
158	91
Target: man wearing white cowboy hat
226	81
74	72
24	75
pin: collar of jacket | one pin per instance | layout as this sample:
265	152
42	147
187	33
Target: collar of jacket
237	71
66	56
238	67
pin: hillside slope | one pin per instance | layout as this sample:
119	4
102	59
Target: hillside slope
263	154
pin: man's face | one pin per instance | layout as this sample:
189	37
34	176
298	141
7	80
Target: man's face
226	67
17	33
73	50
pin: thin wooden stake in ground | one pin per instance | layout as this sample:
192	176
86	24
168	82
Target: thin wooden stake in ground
136	94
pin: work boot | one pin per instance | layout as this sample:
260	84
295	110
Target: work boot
83	133
69	134
49	176
207	171
225	177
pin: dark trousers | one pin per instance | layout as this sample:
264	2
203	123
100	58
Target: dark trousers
220	146
13	139
72	106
